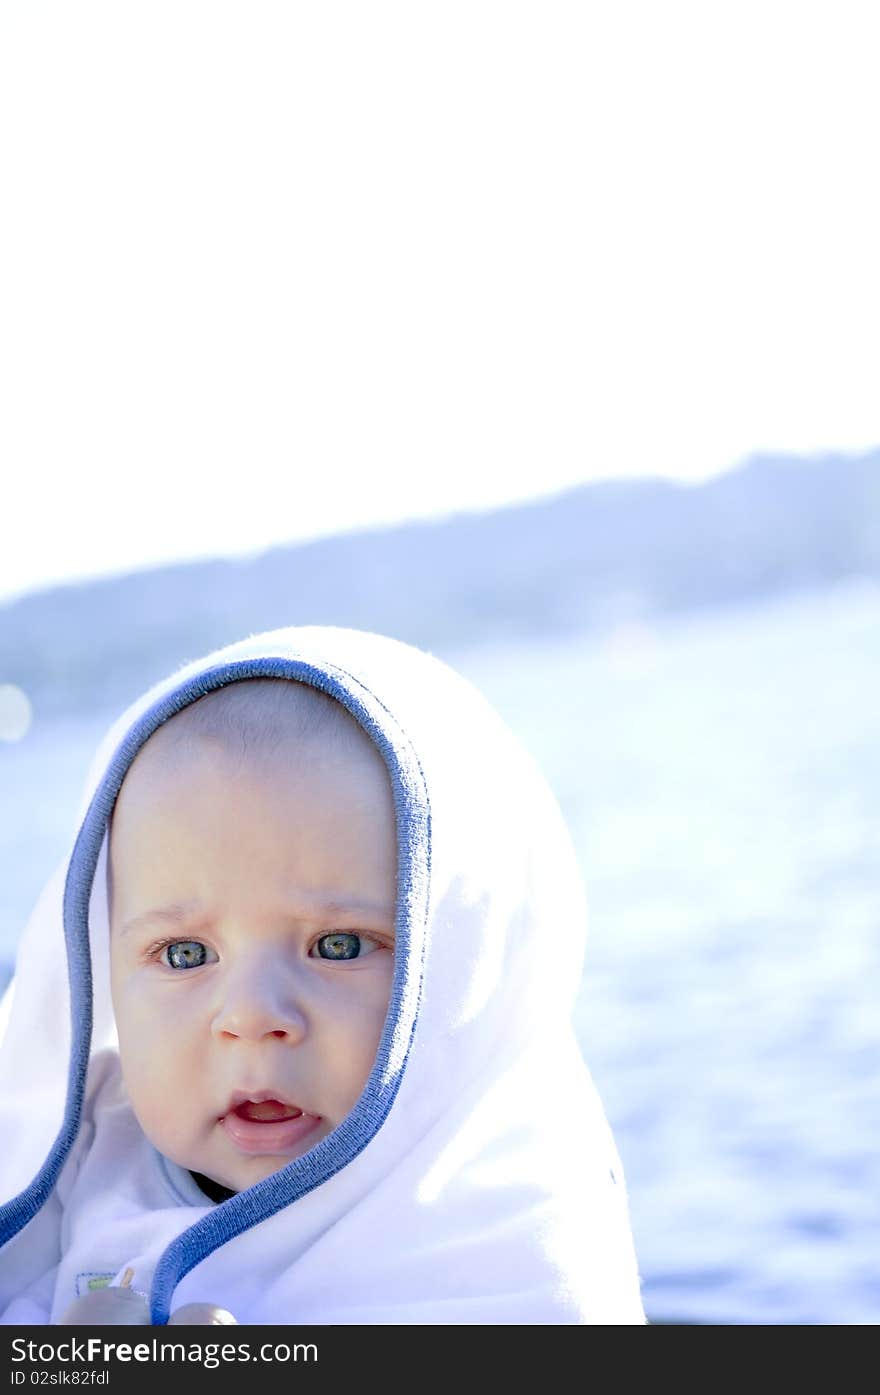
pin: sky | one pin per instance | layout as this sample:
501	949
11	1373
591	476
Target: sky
270	271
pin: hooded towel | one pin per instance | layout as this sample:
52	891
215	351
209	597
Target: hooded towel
475	1181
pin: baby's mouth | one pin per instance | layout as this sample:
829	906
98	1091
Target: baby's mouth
266	1111
261	1107
267	1125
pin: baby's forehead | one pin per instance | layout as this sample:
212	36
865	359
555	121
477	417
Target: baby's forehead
257	725
252	723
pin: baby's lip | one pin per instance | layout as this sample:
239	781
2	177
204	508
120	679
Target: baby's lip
262	1123
240	1097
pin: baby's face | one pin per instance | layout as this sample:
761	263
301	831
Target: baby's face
252	935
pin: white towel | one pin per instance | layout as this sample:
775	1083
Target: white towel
475	1181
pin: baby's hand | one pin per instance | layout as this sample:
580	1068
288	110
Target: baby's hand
201	1315
108	1307
115	1307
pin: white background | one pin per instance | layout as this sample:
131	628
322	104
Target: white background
276	269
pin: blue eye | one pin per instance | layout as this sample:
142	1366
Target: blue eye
339	946
184	954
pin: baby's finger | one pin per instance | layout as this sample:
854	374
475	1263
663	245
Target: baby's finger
108	1307
202	1315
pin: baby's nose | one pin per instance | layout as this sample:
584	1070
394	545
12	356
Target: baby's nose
259	1003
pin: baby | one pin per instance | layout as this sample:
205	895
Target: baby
327	923
252	896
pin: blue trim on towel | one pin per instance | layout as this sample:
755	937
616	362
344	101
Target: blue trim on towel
331	1154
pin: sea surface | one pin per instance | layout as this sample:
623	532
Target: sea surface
720	775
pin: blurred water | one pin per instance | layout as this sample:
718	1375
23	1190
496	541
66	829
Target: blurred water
721	778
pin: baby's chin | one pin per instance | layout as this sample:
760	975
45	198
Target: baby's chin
240	1172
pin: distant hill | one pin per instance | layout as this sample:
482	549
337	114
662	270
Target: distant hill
579	561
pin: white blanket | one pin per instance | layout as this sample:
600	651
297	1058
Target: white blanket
475	1181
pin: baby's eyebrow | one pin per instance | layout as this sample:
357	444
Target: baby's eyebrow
343	907
177	913
180	913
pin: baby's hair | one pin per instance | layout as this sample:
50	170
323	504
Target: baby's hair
256	715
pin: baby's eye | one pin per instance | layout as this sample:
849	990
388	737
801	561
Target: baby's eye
344	945
184	954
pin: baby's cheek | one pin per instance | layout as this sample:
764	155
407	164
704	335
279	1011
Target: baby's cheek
149	1022
133	1010
168	1115
154	1067
363	1024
